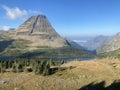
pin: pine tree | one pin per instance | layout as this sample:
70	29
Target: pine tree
19	68
0	66
3	66
46	69
62	62
52	63
36	69
14	68
40	68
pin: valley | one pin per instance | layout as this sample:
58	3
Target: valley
34	57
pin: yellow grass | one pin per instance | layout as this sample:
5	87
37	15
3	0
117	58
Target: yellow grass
78	74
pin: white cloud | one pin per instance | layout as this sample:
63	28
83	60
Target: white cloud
5	28
15	13
80	41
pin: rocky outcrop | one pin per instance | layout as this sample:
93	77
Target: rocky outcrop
39	30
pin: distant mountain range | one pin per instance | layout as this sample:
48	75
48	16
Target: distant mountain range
105	46
93	43
111	48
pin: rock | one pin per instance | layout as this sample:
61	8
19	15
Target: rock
3	81
39	30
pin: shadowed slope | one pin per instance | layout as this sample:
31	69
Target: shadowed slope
101	86
4	44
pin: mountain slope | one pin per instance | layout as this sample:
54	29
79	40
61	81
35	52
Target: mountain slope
110	54
112	45
74	44
94	43
36	38
39	30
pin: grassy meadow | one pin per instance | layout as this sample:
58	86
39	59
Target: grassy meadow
76	75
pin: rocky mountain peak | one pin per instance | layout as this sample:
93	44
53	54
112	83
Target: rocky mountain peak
36	25
38	28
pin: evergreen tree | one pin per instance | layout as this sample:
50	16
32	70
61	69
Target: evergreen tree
14	68
62	62
41	68
52	63
0	66
19	68
35	69
3	66
46	69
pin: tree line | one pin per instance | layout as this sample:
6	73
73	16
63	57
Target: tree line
42	67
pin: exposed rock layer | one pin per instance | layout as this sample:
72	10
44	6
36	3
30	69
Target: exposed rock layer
39	30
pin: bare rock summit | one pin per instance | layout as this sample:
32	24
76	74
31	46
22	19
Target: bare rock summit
39	30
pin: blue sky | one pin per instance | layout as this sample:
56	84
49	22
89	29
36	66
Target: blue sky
68	17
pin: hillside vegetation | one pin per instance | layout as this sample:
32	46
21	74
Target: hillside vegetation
111	54
20	48
78	75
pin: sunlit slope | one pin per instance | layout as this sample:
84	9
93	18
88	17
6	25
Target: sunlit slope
76	75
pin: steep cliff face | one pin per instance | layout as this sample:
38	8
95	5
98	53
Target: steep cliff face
112	45
39	30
